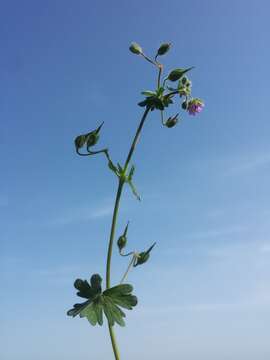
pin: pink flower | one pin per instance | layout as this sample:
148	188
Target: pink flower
195	106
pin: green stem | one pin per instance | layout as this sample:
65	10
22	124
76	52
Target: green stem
114	221
114	344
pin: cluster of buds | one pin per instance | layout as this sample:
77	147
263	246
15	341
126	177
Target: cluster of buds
184	87
160	99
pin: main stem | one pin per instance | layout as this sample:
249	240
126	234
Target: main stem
114	221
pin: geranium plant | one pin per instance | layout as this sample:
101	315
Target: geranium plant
108	303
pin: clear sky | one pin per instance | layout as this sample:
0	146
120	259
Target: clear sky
64	68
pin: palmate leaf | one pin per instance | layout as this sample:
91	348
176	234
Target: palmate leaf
109	302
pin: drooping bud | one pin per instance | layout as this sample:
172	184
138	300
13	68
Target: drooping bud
89	139
176	74
122	240
143	256
93	137
135	48
171	121
80	141
184	105
163	49
184	80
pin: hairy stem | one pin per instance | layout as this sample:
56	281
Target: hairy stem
114	221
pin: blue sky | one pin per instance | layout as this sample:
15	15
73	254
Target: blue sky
65	67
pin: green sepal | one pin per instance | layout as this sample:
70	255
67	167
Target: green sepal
143	256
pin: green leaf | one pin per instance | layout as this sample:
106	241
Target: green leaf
77	308
109	302
148	93
84	288
121	295
115	314
99	313
90	313
122	289
154	102
160	91
131	172
107	312
113	167
96	281
134	191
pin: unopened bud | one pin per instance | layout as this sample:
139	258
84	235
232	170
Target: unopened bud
80	141
135	48
184	105
184	80
171	121
90	139
163	49
122	240
143	256
176	74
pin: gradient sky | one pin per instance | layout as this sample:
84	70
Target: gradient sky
64	68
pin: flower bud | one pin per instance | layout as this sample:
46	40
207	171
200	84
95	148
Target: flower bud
80	141
163	49
122	240
135	48
143	256
184	80
176	74
90	139
171	121
184	105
